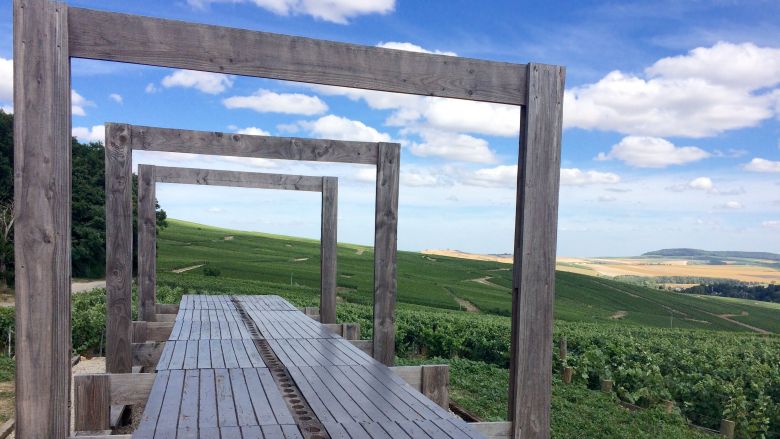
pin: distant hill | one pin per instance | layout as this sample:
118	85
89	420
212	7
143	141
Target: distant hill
261	262
696	253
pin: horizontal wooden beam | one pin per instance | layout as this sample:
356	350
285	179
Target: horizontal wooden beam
348	331
432	380
366	346
247	145
165	317
167	308
142	40
493	430
151	331
258	180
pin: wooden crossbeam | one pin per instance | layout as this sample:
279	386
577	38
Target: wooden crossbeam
142	40
258	180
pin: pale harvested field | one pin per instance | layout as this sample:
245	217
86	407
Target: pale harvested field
613	267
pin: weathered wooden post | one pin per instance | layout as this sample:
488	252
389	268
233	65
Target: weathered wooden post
328	249
119	249
533	286
562	349
385	247
42	179
435	384
606	386
727	428
91	402
568	372
147	243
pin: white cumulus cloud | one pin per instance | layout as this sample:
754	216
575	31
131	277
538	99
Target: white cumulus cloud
762	165
342	128
254	131
703	93
77	104
116	97
453	146
6	80
506	176
265	101
731	205
411	47
86	135
207	82
772	224
336	11
652	152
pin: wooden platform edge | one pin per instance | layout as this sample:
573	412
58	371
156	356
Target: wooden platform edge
493	430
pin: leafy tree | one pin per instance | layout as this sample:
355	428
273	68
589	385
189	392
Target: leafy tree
88	219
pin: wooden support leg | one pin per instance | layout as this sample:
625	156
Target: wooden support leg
92	402
42	189
385	248
436	383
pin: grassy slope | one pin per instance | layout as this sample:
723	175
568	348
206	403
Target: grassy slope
435	281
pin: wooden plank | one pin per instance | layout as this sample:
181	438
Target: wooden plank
151	413
226	408
351	331
493	430
207	408
166	308
164	317
119	248
436	383
247	145
139	332
385	246
166	43
258	180
244	410
328	241
169	413
42	180
147	242
188	415
130	388
92	402
534	253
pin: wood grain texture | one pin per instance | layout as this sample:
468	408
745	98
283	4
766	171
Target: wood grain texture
92	402
258	180
328	241
167	308
385	249
147	242
534	253
436	383
119	248
42	181
130	388
247	145
141	40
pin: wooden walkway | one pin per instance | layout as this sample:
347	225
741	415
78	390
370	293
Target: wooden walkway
257	367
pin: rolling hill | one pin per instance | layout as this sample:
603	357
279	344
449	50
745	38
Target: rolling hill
281	262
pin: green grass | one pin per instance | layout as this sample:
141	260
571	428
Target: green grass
577	412
271	261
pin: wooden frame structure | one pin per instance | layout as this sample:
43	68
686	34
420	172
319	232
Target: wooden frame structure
47	35
122	139
150	175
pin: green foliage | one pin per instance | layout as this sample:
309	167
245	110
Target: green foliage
211	271
88	225
482	389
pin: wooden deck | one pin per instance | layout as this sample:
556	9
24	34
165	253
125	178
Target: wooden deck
256	367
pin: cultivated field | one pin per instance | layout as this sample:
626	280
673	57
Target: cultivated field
742	270
439	281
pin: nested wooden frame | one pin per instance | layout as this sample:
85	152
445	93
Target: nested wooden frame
47	35
123	139
150	175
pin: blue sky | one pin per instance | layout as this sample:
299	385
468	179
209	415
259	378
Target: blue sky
672	120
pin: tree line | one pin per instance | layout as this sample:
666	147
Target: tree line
88	213
768	293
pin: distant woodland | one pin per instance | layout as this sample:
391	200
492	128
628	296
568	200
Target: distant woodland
88	233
